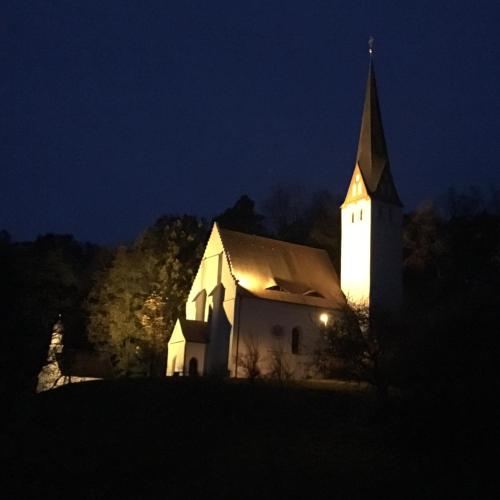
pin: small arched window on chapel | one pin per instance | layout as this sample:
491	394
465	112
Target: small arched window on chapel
295	340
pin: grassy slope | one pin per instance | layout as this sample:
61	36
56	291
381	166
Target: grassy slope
159	439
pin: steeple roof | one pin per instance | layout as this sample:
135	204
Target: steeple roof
372	156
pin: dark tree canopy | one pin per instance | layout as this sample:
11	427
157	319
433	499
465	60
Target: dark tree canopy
40	281
285	212
136	300
242	217
362	346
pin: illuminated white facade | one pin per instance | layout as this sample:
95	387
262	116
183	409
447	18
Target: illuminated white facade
356	242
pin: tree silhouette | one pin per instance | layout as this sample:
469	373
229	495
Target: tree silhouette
135	302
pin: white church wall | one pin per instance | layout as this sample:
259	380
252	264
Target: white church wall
387	256
220	325
205	280
213	269
259	325
176	350
355	250
175	362
229	307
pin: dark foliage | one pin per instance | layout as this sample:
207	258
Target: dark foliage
361	345
452	272
314	220
136	300
242	217
41	280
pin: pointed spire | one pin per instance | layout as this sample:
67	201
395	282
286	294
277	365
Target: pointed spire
372	156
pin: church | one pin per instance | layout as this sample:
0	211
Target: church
257	304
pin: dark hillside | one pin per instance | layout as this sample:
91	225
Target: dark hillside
160	439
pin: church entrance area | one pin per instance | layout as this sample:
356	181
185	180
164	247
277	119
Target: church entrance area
193	367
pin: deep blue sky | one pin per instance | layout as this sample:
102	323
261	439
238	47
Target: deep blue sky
114	112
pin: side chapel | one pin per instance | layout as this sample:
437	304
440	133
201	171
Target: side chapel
260	298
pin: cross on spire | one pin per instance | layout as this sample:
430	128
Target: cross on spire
371	42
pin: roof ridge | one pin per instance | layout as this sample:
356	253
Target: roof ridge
251	235
226	251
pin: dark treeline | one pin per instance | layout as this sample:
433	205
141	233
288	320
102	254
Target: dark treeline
41	280
126	300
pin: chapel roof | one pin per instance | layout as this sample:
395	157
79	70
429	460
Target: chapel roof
282	271
194	331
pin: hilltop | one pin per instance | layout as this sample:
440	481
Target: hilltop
164	438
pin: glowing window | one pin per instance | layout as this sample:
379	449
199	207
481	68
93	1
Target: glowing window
357	177
295	341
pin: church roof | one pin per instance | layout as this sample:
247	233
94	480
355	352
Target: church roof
277	270
372	156
194	331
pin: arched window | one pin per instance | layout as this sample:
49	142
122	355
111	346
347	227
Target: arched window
295	341
193	367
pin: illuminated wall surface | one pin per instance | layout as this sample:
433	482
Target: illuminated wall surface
371	254
176	351
356	251
257	319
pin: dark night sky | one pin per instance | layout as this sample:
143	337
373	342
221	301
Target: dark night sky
115	112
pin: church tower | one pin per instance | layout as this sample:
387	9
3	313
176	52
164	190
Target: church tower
371	248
